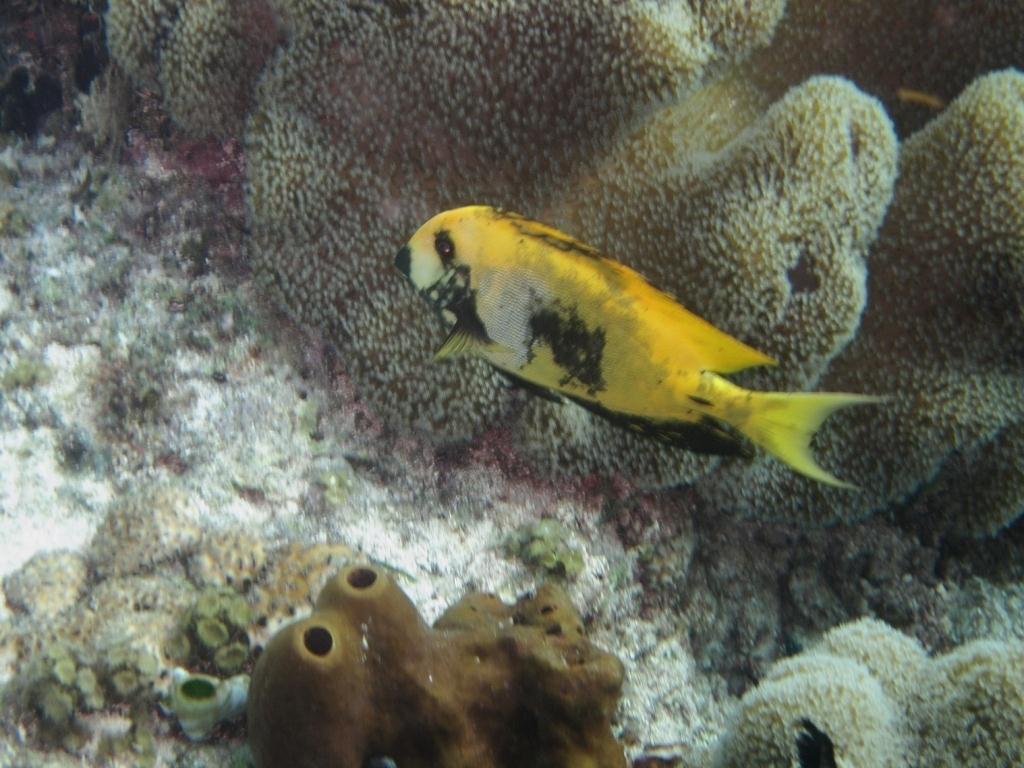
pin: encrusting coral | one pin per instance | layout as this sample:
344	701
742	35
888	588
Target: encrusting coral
364	681
866	695
233	558
63	683
47	584
545	544
293	579
751	192
144	526
215	631
204	56
970	707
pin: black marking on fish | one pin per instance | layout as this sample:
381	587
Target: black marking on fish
467	320
814	748
578	350
549	236
565	243
706	435
699	400
452	289
528	386
396	8
452	294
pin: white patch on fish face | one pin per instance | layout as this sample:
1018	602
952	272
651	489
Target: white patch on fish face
425	268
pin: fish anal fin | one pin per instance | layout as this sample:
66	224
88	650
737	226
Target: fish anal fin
528	386
705	435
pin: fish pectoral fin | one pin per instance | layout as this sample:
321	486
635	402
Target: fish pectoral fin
458	343
468	335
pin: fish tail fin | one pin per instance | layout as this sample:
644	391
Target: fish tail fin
783	424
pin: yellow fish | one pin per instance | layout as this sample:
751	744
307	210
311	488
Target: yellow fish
556	314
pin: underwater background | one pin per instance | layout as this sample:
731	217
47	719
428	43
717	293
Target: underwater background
218	398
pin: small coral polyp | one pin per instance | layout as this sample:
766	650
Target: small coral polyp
364	679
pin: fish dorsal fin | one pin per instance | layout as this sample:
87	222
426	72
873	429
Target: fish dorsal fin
705	436
548	235
705	346
722	353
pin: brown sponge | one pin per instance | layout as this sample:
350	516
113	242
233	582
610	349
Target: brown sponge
364	680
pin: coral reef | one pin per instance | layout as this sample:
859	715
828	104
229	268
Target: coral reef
766	185
91	669
233	558
364	678
941	337
204	56
215	631
144	395
868	695
914	56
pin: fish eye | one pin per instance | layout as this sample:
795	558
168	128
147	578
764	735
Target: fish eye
445	247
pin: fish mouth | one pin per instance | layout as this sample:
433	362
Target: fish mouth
403	260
